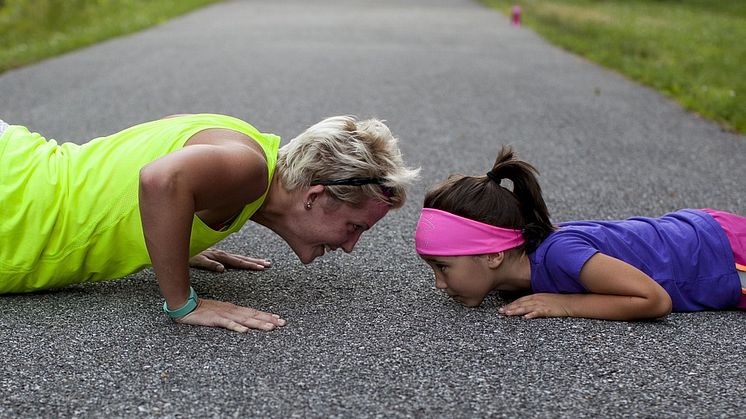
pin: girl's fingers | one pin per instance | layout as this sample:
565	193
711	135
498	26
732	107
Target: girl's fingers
527	309
532	307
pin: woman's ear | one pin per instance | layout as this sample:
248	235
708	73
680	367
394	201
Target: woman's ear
494	260
311	194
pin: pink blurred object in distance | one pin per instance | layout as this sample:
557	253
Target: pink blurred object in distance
515	15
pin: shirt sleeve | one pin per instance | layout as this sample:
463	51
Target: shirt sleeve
564	259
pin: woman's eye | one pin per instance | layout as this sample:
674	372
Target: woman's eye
441	268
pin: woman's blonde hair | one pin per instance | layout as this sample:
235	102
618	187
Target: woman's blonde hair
342	148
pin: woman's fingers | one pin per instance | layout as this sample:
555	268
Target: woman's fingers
231	325
217	260
203	262
232	317
243	262
255	319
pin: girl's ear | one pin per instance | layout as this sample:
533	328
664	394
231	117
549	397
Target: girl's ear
494	260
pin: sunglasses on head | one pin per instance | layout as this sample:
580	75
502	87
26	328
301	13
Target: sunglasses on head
357	181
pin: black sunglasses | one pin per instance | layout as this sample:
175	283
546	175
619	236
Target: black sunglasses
358	181
353	181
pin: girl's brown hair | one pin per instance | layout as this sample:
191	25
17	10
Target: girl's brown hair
483	199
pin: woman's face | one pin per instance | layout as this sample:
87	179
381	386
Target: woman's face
330	226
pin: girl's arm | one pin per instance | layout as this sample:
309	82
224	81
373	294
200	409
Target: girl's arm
172	189
618	291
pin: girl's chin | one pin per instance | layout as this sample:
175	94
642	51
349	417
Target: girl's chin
468	302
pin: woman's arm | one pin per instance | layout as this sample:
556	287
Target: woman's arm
198	177
618	291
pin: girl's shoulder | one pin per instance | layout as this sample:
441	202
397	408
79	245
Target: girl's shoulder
565	251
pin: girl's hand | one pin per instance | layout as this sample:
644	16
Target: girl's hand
616	291
217	260
213	313
538	305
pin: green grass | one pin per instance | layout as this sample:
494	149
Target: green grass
31	30
691	50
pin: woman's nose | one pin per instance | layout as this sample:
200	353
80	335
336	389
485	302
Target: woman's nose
350	244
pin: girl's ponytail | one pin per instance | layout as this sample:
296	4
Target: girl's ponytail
527	191
484	199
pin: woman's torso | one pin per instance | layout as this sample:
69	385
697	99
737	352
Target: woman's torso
71	211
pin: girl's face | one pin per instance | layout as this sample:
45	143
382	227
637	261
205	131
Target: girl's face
467	279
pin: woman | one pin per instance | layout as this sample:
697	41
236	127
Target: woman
161	193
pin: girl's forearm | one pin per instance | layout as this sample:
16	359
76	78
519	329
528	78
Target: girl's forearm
614	307
618	291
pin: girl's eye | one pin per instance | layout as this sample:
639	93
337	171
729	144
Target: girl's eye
355	228
441	268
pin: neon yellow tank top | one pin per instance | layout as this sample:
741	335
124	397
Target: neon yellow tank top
69	213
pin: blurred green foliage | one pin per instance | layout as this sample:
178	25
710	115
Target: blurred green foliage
691	50
31	30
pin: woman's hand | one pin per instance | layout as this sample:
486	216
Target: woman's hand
538	305
217	260
229	316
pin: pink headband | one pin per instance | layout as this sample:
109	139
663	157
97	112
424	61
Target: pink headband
440	233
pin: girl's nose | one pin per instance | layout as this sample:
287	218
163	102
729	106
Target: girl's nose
440	283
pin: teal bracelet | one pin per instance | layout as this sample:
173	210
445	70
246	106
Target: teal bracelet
188	307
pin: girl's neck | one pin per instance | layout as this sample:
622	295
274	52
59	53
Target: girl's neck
515	274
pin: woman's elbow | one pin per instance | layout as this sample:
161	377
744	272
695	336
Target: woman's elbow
154	181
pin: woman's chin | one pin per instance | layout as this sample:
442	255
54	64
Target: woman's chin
309	257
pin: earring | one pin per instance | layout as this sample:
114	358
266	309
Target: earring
308	205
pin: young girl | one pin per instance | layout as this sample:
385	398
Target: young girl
479	236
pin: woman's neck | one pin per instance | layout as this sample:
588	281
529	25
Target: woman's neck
277	207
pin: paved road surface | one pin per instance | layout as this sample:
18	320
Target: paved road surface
368	334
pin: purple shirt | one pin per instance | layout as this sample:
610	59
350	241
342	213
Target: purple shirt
686	252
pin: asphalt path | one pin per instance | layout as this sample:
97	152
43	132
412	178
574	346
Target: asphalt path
368	335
